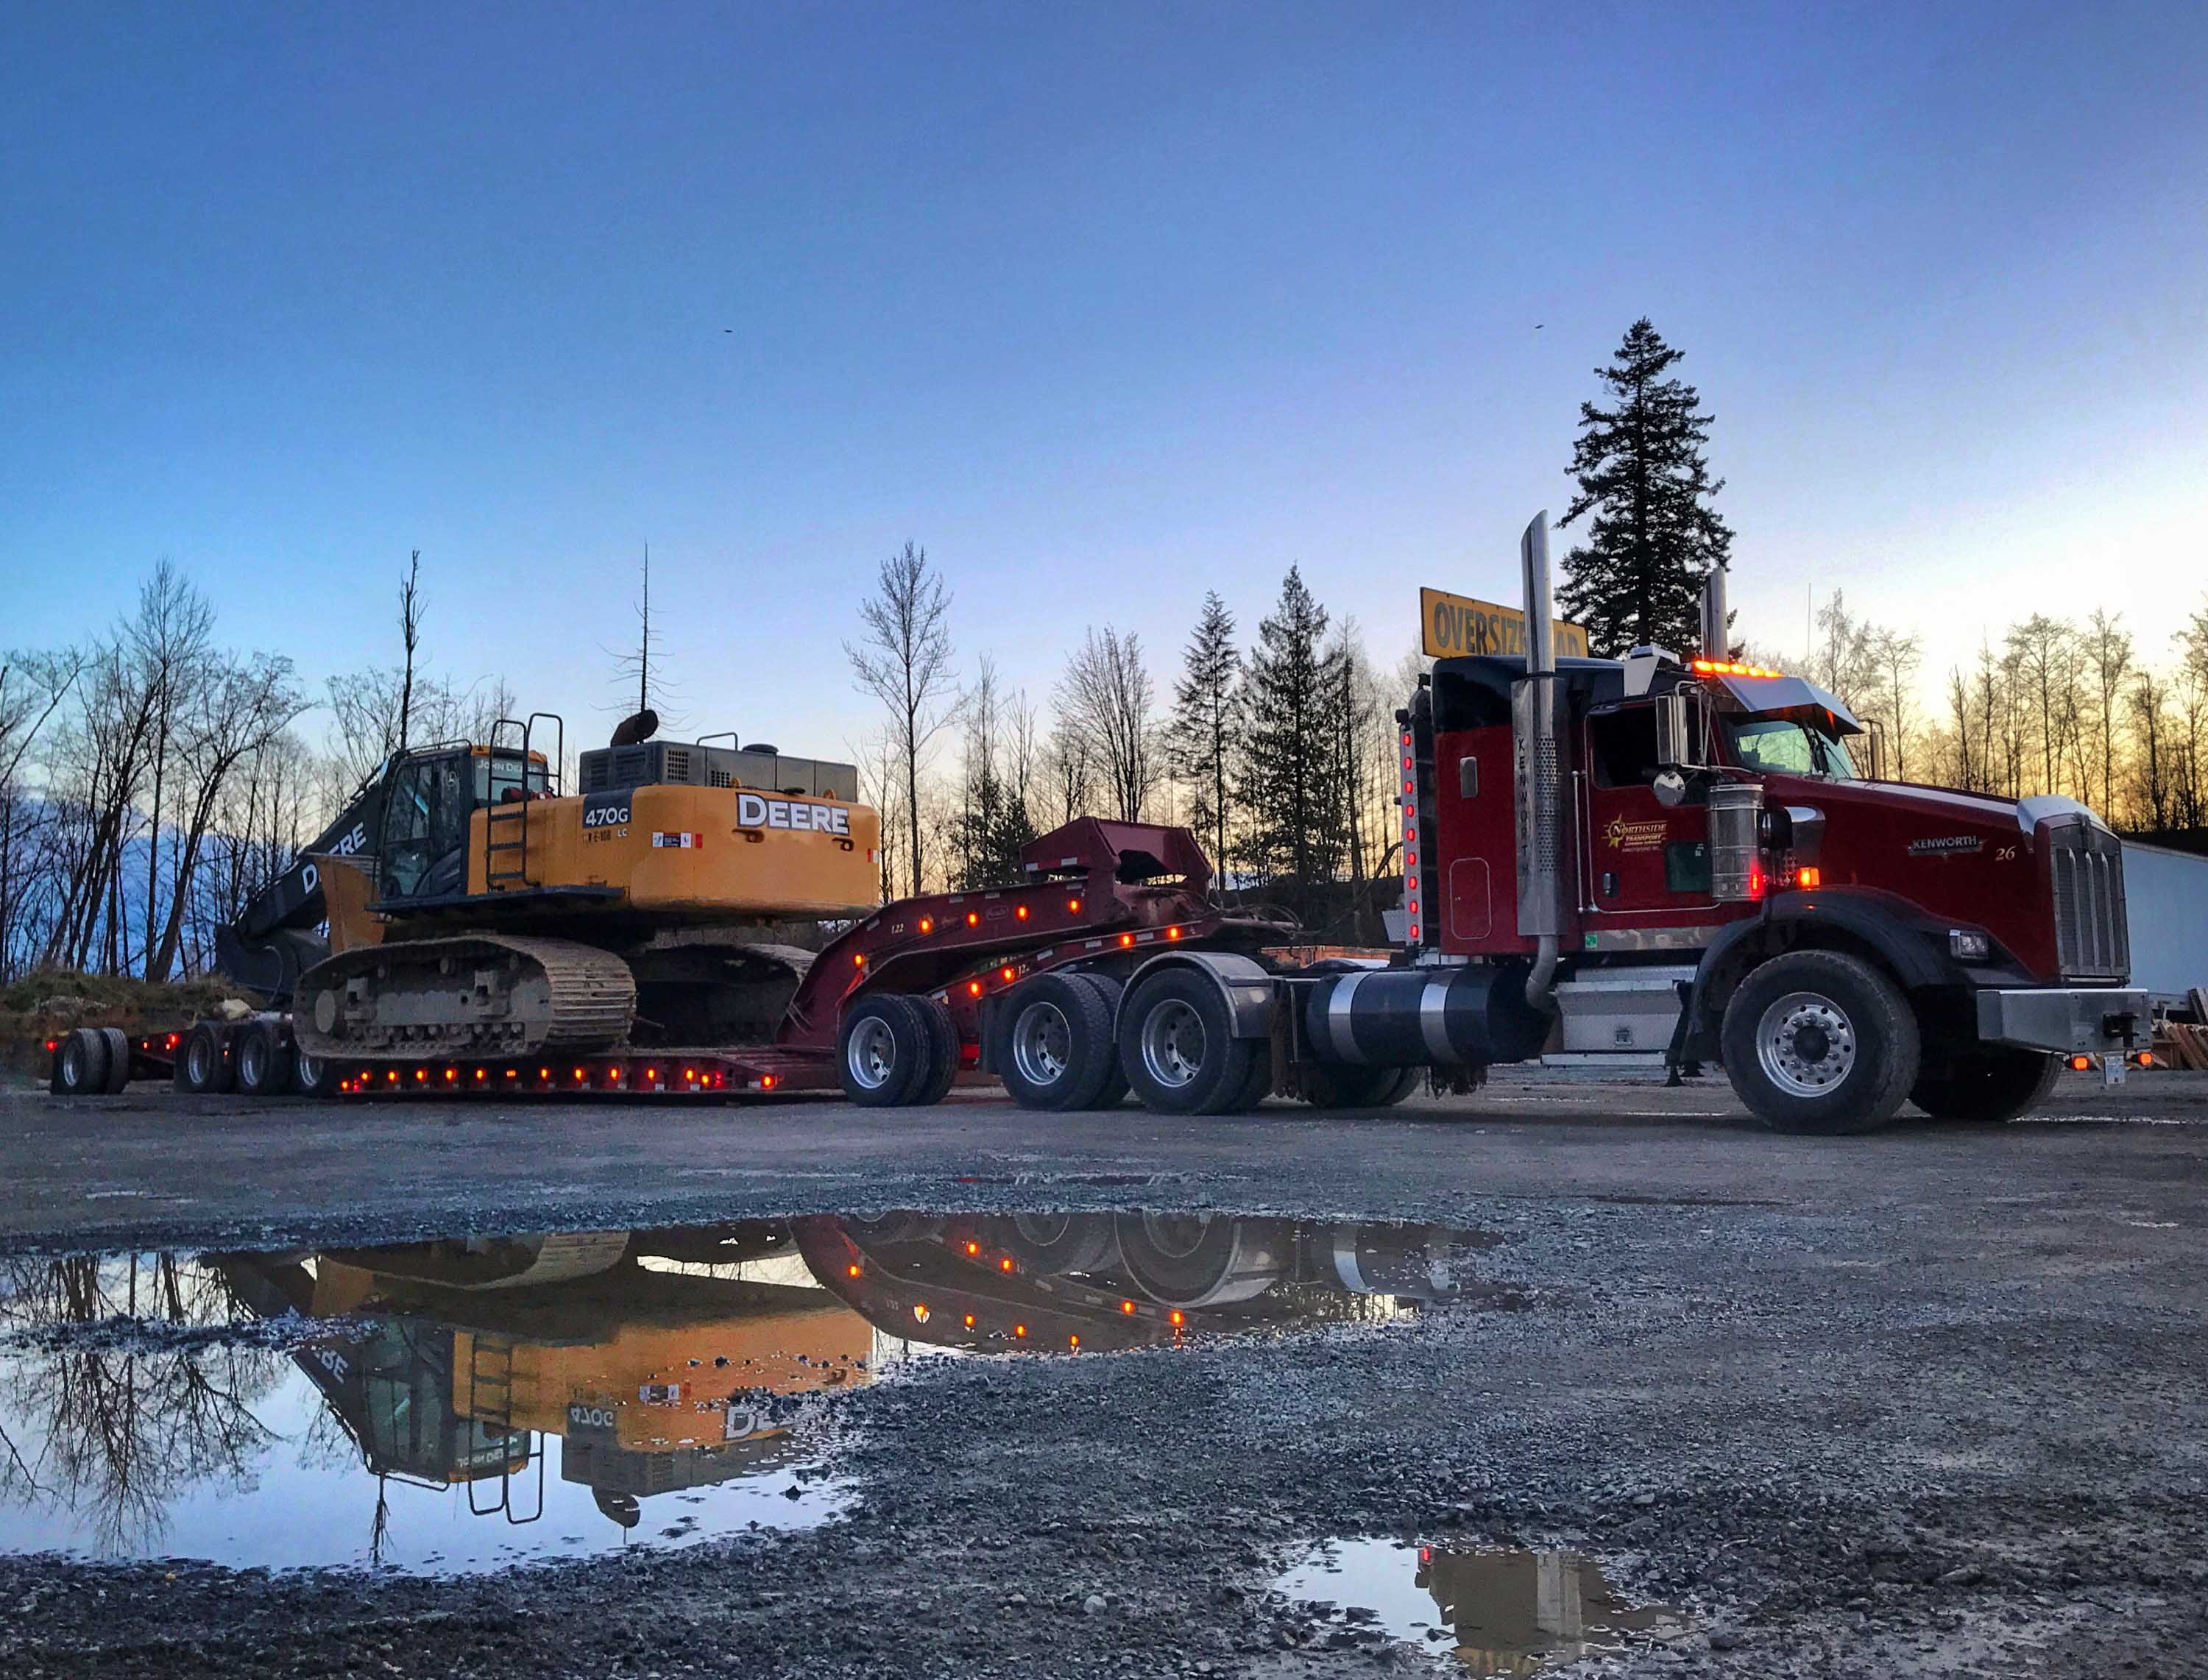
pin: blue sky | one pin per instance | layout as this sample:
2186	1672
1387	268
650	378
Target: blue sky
1105	305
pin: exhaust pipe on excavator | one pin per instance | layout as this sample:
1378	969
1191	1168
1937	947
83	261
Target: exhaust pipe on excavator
1541	837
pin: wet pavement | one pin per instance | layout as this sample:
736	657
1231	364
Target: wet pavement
464	1405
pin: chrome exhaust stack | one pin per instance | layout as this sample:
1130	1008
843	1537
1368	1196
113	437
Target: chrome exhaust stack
1540	815
1716	642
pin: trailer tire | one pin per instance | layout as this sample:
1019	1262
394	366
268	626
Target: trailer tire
1990	1086
118	1059
1113	1091
202	1069
1177	1050
943	1037
1055	1050
263	1060
884	1051
80	1064
1819	1042
313	1076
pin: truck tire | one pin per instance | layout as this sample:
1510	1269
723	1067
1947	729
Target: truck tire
1053	1244
263	1060
1191	1260
81	1064
943	1040
1053	1048
1175	1049
1342	1085
313	1076
1114	1092
884	1051
118	1059
202	1069
1997	1084
1819	1042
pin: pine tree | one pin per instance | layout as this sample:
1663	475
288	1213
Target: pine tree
1638	577
1289	794
1207	725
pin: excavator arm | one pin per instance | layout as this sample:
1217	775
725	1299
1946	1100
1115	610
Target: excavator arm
275	940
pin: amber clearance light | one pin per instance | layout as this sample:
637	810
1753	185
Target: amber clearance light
1726	668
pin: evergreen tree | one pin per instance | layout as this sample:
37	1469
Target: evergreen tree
1287	789
1207	726
1653	539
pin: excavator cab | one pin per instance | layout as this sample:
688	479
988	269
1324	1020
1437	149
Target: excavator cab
432	794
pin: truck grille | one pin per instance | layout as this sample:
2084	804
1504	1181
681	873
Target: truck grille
2092	938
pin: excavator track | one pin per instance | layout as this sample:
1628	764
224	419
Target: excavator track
472	994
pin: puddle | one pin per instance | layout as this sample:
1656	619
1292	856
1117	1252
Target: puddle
1493	1612
461	1405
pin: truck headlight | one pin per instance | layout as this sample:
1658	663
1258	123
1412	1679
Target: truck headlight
1965	946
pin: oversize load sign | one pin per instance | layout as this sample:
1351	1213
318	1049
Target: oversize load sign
1454	625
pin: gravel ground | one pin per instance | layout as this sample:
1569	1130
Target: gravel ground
1926	1403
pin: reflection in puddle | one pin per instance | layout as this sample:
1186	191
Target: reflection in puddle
1498	1612
480	1402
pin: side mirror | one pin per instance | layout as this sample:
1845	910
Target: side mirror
1678	731
1671	789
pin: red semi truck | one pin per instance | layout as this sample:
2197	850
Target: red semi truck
1658	861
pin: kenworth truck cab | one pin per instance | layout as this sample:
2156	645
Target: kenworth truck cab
1680	861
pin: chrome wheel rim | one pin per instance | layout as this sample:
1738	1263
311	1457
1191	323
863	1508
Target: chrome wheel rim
873	1053
1805	1044
253	1060
1043	1043
198	1060
310	1070
1173	1043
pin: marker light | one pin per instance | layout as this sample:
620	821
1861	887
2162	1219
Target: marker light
973	989
480	1074
928	924
970	1321
2081	1063
858	959
766	1080
973	918
1009	974
1178	1319
1073	1342
452	1074
1019	1330
1126	939
1126	1306
1173	932
973	1248
1073	907
1809	875
2144	1059
920	1312
850	1271
1004	1264
1021	914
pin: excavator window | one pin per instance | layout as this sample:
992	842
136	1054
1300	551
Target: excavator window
425	828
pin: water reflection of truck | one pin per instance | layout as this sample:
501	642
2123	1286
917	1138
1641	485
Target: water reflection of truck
678	1359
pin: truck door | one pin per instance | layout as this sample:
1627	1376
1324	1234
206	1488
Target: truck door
1643	863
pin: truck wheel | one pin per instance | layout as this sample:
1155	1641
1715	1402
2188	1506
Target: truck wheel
1054	1048
264	1061
313	1076
942	1041
118	1059
1342	1085
887	1051
1054	1243
1201	1259
1819	1042
81	1064
201	1066
1113	1091
1175	1049
1995	1084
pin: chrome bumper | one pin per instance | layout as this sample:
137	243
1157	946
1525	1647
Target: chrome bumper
2073	1020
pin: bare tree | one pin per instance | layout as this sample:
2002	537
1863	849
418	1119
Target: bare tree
169	637
905	662
1897	660
410	637
2108	647
1105	699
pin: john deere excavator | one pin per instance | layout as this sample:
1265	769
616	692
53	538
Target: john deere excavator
476	909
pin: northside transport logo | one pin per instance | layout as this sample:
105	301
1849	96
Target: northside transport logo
1452	626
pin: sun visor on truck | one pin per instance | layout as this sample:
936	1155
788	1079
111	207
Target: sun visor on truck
1784	696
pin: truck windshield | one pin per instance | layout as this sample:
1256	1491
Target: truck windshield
1781	744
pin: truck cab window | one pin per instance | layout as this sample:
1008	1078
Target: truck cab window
1782	745
1623	745
425	829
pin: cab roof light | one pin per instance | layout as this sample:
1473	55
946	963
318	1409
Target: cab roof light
1728	667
